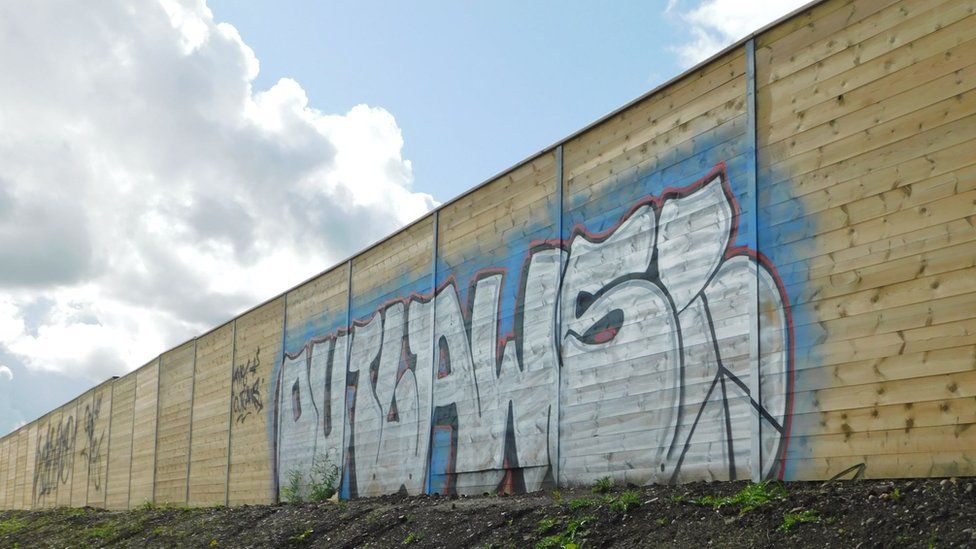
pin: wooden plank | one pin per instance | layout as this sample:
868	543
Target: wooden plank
95	438
811	26
21	498
391	407
867	22
173	438
31	462
211	407
827	65
68	443
40	430
258	349
144	435
80	462
903	465
120	443
894	73
5	463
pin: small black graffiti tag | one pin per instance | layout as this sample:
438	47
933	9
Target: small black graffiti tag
92	451
246	388
53	457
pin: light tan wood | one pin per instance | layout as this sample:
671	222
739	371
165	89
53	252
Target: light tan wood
257	352
120	443
173	438
144	435
211	417
71	422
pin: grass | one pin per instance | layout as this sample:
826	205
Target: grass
626	502
11	526
413	538
320	485
748	498
103	532
582	503
790	520
293	493
603	485
570	538
546	525
301	537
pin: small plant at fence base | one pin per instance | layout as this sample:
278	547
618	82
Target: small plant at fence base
319	485
792	519
603	485
570	538
626	502
747	499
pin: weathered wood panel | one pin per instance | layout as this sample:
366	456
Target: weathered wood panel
95	451
211	418
40	427
79	459
257	348
21	495
173	438
390	365
66	444
311	395
867	196
31	465
5	464
144	435
120	443
495	382
659	298
657	372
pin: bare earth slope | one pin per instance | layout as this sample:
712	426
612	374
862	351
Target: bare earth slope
926	513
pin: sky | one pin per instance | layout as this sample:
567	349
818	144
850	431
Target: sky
167	164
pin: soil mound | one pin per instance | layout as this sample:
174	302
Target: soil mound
919	513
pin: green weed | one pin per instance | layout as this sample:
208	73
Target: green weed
301	537
603	485
546	525
11	526
413	538
629	500
582	503
747	499
103	532
570	538
319	486
790	520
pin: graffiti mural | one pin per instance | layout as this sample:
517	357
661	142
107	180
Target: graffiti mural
640	336
53	460
92	452
246	386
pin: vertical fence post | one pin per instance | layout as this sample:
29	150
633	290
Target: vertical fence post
753	213
230	410
159	374
557	322
189	443
132	437
433	345
108	446
277	392
343	457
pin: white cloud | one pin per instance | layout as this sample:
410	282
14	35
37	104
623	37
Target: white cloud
714	24
147	192
5	373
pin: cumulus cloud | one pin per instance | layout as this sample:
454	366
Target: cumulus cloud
5	373
713	24
147	192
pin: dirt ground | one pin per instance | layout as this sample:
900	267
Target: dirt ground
920	513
